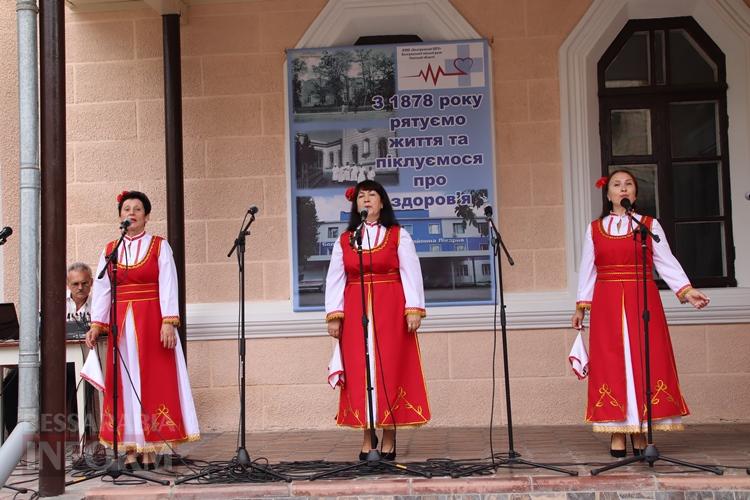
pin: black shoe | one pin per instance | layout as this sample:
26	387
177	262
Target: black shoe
149	465
616	453
636	451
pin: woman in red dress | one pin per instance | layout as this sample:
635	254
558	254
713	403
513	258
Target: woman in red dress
610	286
155	407
394	299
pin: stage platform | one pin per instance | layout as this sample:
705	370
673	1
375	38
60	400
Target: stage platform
572	447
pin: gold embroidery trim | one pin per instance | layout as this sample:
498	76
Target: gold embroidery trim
644	219
407	404
98	325
606	393
415	310
378	247
661	387
171	320
683	291
145	257
633	429
334	315
157	447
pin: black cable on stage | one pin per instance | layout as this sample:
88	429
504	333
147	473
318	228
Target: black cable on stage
302	470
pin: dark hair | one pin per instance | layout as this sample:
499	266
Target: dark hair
135	195
387	216
606	204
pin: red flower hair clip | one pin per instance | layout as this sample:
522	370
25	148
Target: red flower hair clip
601	182
122	195
350	194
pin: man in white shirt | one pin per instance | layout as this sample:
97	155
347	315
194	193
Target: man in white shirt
78	316
78	302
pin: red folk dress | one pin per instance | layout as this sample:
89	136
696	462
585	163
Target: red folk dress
155	406
617	343
399	387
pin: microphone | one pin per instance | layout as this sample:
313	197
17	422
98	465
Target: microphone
252	210
356	235
125	224
5	232
626	204
488	211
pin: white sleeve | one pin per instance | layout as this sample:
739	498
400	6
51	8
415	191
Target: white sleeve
411	273
586	271
101	296
666	263
335	283
168	286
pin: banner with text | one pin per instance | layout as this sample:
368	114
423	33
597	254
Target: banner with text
416	118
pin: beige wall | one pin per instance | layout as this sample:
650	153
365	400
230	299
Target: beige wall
9	162
234	156
232	64
286	386
234	124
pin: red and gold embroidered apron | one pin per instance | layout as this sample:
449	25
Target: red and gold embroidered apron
398	380
161	414
619	290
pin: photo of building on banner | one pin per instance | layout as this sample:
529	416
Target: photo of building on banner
418	120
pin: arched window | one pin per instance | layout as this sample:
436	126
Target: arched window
366	147
663	116
355	154
330	158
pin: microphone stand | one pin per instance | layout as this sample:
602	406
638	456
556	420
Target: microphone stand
651	454
241	462
514	458
116	468
374	457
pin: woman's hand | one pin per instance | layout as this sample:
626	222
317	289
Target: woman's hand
334	328
413	321
91	337
697	298
577	320
168	335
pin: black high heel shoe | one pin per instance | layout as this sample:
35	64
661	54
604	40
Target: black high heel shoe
363	454
616	453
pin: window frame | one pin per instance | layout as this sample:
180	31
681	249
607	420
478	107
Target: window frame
657	99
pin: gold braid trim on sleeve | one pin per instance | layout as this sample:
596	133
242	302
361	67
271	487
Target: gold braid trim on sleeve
583	305
171	320
684	291
334	315
102	327
415	310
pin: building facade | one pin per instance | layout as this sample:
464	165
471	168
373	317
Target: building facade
548	152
